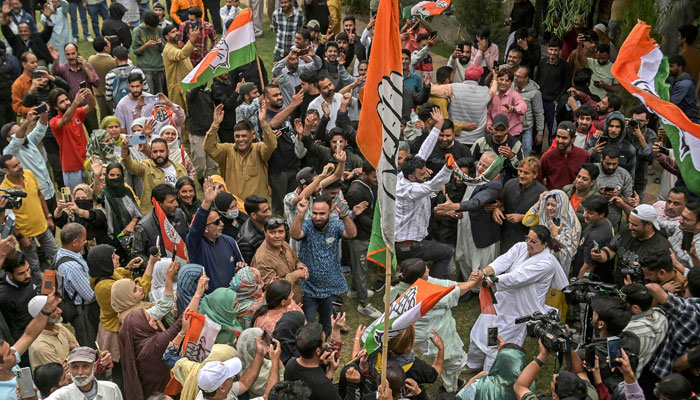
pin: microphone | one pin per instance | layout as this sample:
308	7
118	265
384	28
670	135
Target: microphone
154	251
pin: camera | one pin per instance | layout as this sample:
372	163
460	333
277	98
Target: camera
634	270
583	290
552	332
13	196
633	123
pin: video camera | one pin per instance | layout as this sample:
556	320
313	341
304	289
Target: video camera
634	270
583	290
13	196
552	332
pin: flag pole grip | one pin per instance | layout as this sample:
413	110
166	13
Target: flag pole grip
387	305
262	81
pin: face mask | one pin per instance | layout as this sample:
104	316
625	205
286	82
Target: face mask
84	204
233	214
116	182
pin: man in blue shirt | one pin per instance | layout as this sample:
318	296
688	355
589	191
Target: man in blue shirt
208	246
319	251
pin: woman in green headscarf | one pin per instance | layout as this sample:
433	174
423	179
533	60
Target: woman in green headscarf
120	203
498	383
221	306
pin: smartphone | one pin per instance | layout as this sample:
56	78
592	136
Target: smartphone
492	336
302	52
557	221
65	192
83	84
8	227
41	108
590	356
59	284
608	189
25	383
337	308
153	99
614	351
341	206
596	246
266	338
664	150
37	75
137	139
685	245
49	282
603	140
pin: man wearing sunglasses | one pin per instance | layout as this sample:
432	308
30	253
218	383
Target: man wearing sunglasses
207	246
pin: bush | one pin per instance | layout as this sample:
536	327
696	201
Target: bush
472	15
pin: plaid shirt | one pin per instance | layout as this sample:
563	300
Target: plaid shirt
201	46
683	332
285	28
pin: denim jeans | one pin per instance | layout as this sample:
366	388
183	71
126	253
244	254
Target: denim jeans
526	142
324	307
96	11
358	262
156	81
48	243
72	7
73	179
549	119
143	8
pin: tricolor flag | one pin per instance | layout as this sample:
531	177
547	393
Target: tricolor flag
380	126
171	238
236	48
408	308
427	8
642	69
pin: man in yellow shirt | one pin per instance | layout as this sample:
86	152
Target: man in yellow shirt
33	221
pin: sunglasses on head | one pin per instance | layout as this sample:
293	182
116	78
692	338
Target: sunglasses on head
274	222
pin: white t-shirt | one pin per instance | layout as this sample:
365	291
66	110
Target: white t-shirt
170	174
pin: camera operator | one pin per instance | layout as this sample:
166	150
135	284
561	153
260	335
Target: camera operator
610	317
658	268
647	322
641	236
642	138
33	219
565	384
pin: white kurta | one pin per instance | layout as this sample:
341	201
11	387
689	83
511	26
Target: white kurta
523	284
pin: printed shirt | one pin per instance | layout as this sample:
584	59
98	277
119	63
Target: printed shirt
683	330
320	253
285	28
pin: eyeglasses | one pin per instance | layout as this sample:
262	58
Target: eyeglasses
215	222
685	219
528	239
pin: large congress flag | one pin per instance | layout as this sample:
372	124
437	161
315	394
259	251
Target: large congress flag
642	69
380	125
236	48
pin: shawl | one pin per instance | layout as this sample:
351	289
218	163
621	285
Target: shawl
187	371
498	384
120	203
142	346
220	307
187	279
248	284
123	299
286	333
570	227
246	352
174	148
158	281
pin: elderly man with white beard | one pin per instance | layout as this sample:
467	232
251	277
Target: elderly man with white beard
82	369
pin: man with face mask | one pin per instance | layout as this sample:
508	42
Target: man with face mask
82	369
614	133
26	38
207	246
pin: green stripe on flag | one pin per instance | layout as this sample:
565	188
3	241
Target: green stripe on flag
376	252
239	57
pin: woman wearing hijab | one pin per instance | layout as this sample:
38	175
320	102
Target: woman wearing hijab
187	280
554	211
127	296
187	199
176	153
186	371
220	307
248	285
498	383
121	206
286	333
104	270
158	282
105	143
279	299
247	349
226	205
220	186
80	209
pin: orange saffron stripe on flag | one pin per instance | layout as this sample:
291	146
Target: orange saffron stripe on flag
384	58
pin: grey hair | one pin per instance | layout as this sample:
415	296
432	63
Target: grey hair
405	146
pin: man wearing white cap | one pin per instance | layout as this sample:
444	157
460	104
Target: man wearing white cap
82	370
641	236
215	379
54	342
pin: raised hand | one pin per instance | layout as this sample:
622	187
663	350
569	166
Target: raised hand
218	115
302	206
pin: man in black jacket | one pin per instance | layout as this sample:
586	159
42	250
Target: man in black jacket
15	292
362	190
25	40
200	104
251	235
223	91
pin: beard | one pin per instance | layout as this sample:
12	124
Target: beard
83	380
608	171
160	161
56	320
320	225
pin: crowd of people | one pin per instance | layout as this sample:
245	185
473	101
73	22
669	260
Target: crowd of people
131	206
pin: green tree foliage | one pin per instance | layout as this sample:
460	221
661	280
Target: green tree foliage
562	13
473	14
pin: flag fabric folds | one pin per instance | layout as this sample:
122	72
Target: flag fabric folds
427	8
642	69
171	238
408	308
380	126
236	48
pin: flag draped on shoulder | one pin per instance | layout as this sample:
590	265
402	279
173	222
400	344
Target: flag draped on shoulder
171	238
236	48
408	308
380	125
642	69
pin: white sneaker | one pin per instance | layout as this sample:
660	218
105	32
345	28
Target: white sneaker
369	310
89	39
353	294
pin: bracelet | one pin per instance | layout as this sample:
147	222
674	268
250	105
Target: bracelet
538	361
47	313
357	338
180	334
343	216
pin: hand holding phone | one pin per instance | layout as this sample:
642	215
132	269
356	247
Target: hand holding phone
492	336
614	351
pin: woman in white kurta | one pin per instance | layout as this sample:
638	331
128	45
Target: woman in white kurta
525	273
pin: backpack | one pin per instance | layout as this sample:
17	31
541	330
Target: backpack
67	306
120	85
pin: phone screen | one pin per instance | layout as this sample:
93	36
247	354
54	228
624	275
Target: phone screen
492	339
687	240
590	357
614	351
337	308
266	338
7	229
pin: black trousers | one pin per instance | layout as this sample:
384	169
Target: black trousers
429	250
